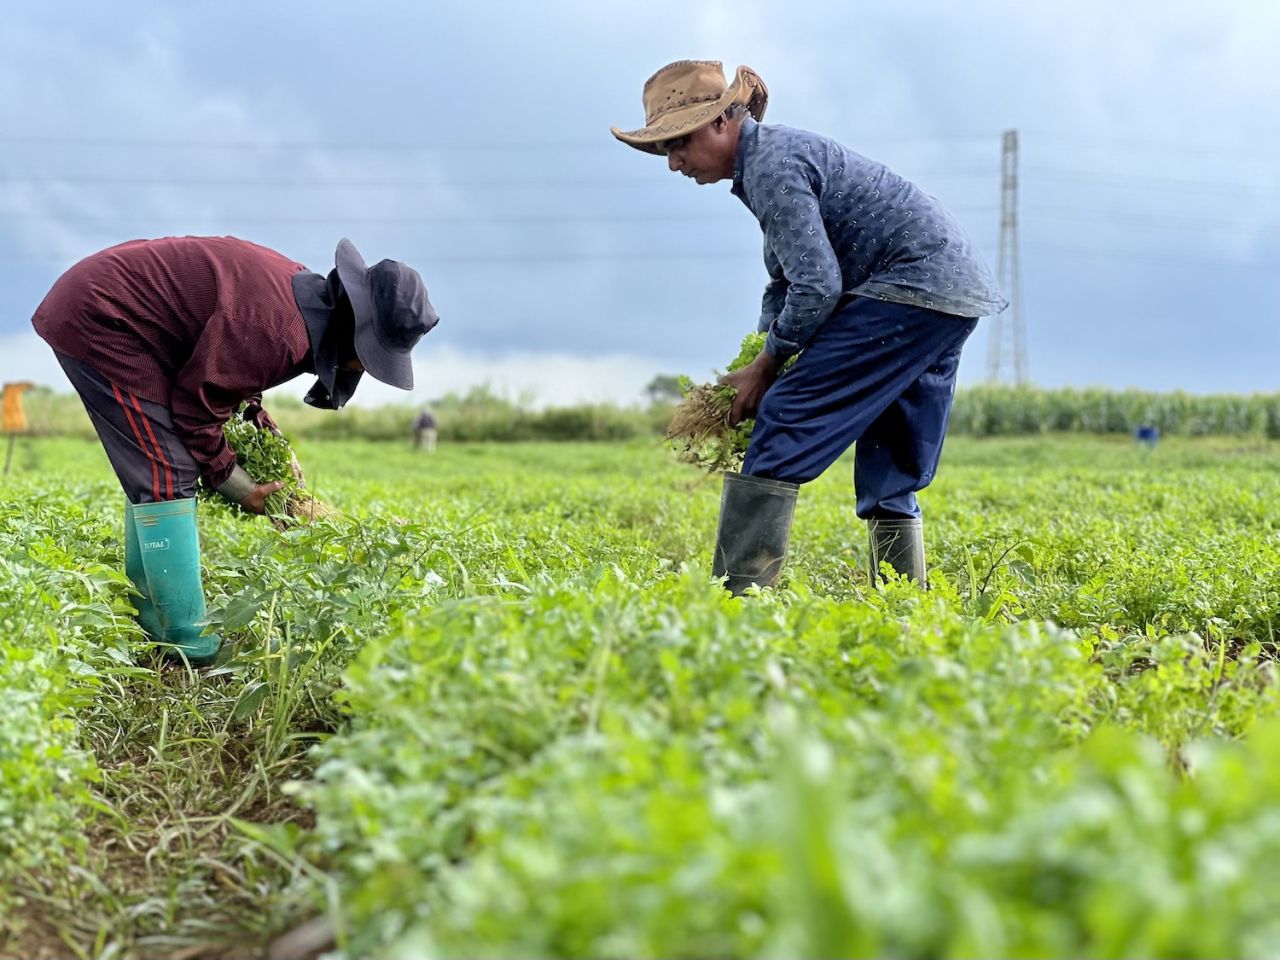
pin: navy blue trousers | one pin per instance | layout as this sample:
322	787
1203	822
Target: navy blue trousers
878	374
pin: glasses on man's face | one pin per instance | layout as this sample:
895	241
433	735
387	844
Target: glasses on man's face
676	143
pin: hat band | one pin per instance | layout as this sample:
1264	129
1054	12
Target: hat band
680	104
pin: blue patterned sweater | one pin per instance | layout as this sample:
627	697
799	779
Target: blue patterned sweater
837	223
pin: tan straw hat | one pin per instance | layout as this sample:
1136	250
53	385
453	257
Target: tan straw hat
688	94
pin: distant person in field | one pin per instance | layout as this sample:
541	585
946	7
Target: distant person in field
163	339
424	430
871	282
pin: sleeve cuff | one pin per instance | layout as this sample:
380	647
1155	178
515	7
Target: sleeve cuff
263	421
237	486
779	348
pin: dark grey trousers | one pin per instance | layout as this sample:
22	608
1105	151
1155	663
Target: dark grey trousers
138	435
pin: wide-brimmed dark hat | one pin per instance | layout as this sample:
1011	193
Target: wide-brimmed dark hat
392	313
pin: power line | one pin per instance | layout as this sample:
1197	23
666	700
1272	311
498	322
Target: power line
1095	178
1108	217
1130	181
1091	251
1122	256
1178	147
1218	230
368	184
605	141
506	258
1009	215
339	218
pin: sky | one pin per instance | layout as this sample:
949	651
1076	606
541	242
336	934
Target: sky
471	141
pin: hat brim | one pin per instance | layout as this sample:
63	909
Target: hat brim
382	364
747	88
389	366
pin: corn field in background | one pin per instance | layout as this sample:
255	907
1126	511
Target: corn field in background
1019	411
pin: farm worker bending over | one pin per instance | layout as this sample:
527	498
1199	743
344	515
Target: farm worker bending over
163	339
871	282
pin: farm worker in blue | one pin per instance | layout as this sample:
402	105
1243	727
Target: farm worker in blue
871	282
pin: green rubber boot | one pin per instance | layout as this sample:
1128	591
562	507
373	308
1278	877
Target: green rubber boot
148	618
170	551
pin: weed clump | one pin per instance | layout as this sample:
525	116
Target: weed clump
699	432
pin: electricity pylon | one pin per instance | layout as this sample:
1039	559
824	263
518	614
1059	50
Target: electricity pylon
1007	343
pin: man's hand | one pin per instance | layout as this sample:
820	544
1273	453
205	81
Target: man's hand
751	382
255	501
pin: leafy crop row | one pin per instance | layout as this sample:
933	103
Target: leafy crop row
499	709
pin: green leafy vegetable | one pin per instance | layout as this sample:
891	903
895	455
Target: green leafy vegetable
265	456
268	457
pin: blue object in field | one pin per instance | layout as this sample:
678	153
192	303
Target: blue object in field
1147	434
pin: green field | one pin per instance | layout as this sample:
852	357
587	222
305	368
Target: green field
500	709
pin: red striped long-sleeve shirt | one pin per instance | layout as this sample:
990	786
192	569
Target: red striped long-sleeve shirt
196	323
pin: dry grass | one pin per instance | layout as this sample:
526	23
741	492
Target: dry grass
175	864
